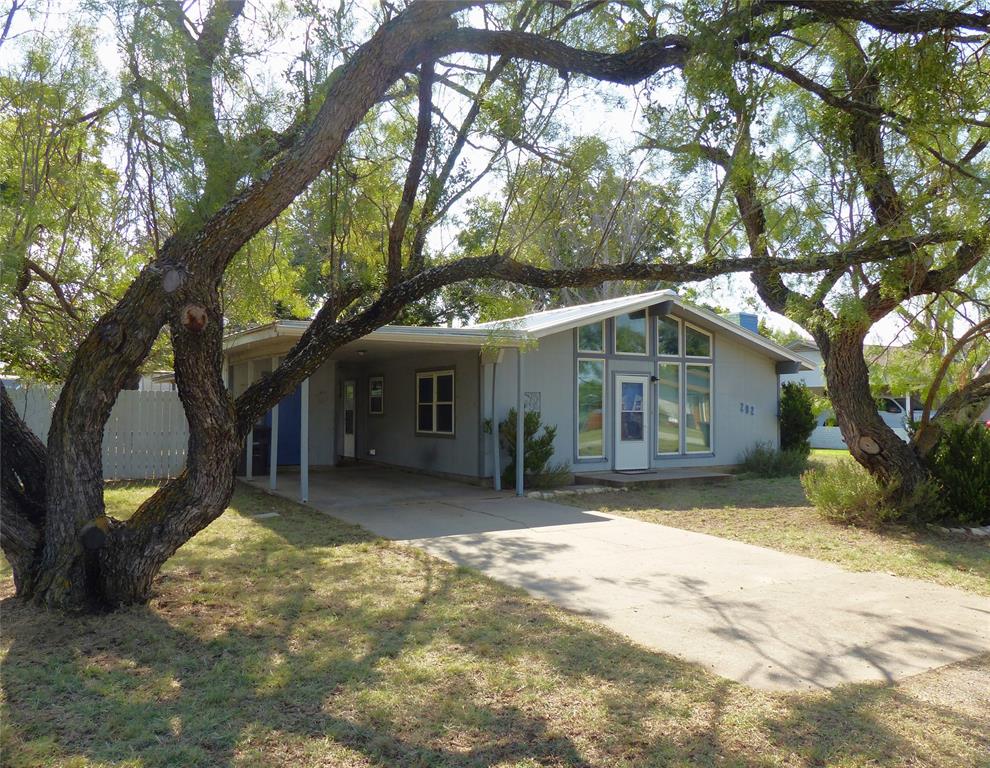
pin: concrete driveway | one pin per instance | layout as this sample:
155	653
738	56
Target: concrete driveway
761	617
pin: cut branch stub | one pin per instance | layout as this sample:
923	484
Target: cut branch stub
193	318
173	280
868	445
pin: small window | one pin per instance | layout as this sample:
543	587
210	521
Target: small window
435	402
630	333
698	409
591	338
376	395
668	336
697	343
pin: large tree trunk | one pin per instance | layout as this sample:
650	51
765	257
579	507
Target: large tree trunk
893	462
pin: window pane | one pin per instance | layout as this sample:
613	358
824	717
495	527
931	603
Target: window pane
669	409
445	418
698	403
591	374
424	419
591	338
630	333
698	344
667	341
445	388
377	405
376	386
426	389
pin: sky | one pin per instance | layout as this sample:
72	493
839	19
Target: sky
613	116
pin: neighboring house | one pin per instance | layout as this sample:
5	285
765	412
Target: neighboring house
893	410
633	383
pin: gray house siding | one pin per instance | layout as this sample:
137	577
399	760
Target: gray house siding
393	436
744	398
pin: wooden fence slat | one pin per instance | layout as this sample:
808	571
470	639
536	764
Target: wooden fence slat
145	437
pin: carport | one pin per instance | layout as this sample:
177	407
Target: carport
328	418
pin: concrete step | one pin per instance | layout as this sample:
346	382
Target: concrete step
661	478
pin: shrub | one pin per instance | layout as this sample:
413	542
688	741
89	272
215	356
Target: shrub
797	417
766	461
961	465
844	492
537	448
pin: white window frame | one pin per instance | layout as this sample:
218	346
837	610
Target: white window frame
646	334
680	409
577	407
711	342
600	324
711	408
372	411
433	376
680	336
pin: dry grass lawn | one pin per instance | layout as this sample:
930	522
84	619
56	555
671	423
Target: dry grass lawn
775	513
301	641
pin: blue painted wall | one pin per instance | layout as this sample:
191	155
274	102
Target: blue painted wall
289	418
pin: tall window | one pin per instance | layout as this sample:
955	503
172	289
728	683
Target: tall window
376	395
669	408
668	336
591	410
435	402
698	408
630	333
591	338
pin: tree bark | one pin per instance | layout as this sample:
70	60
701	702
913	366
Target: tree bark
893	462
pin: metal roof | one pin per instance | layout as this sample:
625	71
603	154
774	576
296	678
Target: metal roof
516	331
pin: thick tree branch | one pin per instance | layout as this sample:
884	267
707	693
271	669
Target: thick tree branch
424	127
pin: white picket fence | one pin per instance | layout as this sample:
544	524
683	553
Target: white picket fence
145	437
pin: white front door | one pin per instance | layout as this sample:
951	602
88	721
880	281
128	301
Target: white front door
350	414
632	419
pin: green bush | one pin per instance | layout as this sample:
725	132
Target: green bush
797	417
538	448
844	492
961	465
766	461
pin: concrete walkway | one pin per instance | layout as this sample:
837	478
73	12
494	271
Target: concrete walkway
761	617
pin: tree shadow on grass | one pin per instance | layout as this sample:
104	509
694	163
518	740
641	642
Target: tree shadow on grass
316	643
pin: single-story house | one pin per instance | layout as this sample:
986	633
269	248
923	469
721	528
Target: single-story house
633	383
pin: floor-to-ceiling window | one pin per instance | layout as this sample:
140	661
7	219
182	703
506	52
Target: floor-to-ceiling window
684	388
591	408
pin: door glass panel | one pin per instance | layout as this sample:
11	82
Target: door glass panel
591	374
669	408
348	390
632	411
348	422
698	409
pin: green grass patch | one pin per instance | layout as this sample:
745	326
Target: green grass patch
775	513
303	641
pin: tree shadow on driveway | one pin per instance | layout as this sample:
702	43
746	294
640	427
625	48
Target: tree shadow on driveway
302	641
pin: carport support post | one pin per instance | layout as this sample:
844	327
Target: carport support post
273	448
520	424
249	462
304	443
